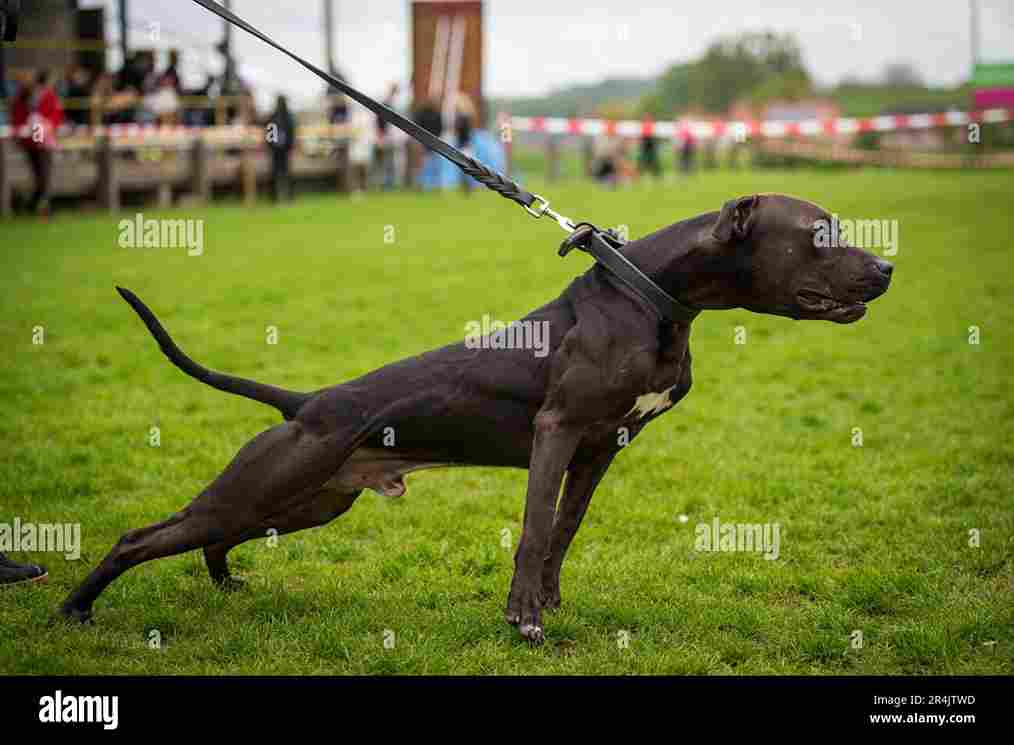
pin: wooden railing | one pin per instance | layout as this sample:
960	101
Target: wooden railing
174	163
884	157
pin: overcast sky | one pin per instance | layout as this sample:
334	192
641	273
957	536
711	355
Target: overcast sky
533	46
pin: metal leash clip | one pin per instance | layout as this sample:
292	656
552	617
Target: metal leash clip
541	209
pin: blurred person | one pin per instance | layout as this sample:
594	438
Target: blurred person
125	92
361	149
489	149
36	110
164	91
109	106
171	75
688	152
647	159
383	150
163	103
605	160
399	144
131	75
147	73
199	115
281	140
241	109
627	167
78	86
429	117
5	92
339	107
14	573
611	166
465	117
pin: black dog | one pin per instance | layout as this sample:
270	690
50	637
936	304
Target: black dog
611	364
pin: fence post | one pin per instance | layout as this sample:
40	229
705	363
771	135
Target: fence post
342	157
505	133
248	171
109	186
164	193
552	158
508	154
200	182
407	170
710	160
6	187
588	155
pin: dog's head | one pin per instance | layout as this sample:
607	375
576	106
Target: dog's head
785	256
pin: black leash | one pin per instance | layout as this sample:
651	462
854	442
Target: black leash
602	245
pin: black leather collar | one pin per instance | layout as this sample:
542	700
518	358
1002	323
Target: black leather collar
604	247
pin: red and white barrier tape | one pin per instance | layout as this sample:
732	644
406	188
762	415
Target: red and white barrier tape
706	130
702	130
152	131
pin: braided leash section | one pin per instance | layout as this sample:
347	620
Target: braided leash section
495	181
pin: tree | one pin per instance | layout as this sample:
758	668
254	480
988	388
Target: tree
671	94
902	75
729	70
790	86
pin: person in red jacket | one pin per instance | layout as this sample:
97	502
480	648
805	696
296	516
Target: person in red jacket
36	113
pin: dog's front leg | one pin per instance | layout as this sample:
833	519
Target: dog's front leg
577	493
554	445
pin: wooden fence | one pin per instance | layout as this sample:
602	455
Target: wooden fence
174	163
775	151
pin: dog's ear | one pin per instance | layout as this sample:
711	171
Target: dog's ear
736	219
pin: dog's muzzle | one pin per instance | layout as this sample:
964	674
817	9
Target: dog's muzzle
881	280
818	305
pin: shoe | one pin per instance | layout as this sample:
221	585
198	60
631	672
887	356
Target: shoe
13	573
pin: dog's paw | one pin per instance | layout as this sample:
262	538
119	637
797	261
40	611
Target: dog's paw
523	611
533	633
232	583
74	615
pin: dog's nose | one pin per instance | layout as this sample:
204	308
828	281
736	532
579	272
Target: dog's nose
885	267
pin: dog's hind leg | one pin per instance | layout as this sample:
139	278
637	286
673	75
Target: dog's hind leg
218	565
325	506
276	473
182	532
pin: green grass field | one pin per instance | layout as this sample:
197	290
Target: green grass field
874	539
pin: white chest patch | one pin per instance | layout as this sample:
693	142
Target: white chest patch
651	403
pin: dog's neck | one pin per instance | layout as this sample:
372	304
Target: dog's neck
682	259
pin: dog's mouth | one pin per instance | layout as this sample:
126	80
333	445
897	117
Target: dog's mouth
820	307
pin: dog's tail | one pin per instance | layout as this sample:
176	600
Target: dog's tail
287	402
